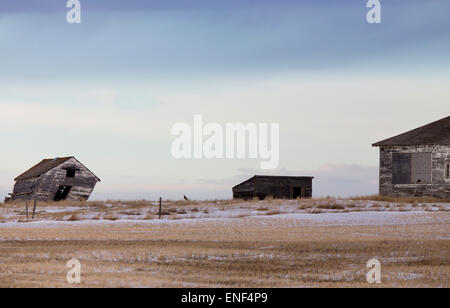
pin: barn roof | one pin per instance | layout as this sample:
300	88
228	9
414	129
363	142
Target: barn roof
44	166
274	177
436	133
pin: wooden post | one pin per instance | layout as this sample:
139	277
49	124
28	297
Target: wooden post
34	208
26	208
160	208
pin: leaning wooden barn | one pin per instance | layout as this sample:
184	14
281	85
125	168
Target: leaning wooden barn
417	163
278	187
63	178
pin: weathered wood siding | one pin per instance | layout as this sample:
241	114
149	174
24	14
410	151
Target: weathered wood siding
23	189
46	186
439	186
276	187
246	190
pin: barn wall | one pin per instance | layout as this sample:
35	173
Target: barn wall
23	189
439	187
280	188
82	184
245	190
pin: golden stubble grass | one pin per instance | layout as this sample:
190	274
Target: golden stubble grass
246	252
401	199
147	210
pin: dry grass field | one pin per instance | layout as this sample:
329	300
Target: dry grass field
312	243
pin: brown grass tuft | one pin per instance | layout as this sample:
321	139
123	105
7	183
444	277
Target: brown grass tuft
331	206
315	211
401	199
110	217
273	212
73	217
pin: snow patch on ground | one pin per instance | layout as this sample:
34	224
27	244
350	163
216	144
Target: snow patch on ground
299	219
326	211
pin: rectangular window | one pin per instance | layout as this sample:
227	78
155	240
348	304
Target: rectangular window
401	168
421	168
411	168
70	173
447	171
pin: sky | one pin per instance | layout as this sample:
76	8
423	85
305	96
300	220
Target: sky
108	90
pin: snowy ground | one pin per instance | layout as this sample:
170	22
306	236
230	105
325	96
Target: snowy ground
313	243
292	219
318	210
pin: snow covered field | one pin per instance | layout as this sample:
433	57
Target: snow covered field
292	219
313	243
147	210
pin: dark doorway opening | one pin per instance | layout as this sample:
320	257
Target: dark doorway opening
261	196
62	193
296	192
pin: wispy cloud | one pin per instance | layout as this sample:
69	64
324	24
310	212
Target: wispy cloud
247	38
111	120
343	180
108	90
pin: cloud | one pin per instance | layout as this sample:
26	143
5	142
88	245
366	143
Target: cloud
327	127
104	96
344	180
322	119
249	38
109	120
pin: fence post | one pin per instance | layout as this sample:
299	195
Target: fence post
26	208
160	207
34	208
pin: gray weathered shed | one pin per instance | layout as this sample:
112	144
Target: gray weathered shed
278	187
417	163
62	178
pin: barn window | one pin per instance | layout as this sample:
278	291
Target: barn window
401	168
70	173
447	171
411	168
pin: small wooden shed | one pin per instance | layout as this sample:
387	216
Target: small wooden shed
278	187
55	179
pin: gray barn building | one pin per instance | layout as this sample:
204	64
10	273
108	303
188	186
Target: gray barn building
417	163
63	178
278	187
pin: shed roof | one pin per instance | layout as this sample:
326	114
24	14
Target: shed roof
436	133
274	177
44	166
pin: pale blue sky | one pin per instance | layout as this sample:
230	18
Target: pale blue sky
109	89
